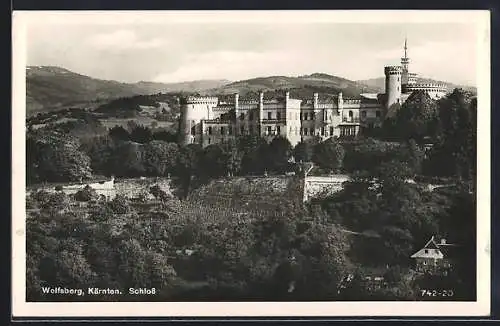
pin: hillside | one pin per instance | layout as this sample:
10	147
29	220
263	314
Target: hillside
302	86
51	88
379	83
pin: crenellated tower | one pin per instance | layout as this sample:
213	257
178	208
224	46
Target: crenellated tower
392	85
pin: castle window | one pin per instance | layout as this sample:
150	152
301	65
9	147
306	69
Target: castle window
269	130
311	131
363	114
323	131
397	88
397	100
209	140
331	131
426	251
311	116
278	115
377	114
269	115
398	78
222	130
278	130
209	131
351	114
193	130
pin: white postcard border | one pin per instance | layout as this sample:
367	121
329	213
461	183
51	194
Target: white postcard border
21	308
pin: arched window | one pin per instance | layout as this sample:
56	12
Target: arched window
351	114
363	114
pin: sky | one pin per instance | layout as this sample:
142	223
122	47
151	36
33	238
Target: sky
175	51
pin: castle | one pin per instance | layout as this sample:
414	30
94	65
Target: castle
209	120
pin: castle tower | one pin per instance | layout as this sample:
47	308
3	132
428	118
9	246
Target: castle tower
194	109
405	62
393	85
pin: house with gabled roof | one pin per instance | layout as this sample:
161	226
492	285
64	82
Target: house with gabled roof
434	257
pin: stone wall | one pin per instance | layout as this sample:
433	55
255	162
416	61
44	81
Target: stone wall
315	186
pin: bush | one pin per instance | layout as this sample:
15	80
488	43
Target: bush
86	194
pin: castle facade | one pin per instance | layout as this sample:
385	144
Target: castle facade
210	120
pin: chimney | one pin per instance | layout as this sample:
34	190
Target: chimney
261	97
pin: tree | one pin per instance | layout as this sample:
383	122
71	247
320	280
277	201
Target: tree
128	160
303	151
213	161
455	152
61	160
278	154
253	149
186	167
120	205
329	155
160	157
417	118
119	133
398	244
233	157
86	194
101	149
141	134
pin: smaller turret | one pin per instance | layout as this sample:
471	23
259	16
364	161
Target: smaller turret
261	106
236	100
340	101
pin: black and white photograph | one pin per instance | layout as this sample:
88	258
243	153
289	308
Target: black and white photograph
251	163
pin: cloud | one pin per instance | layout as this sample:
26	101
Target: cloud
123	40
224	64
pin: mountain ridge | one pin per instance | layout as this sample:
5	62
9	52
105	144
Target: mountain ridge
51	88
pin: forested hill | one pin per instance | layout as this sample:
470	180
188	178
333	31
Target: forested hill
52	88
301	86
